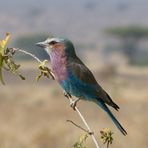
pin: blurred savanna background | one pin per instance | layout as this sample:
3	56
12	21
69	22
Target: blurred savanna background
111	37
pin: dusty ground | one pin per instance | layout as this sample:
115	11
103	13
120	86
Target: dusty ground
33	114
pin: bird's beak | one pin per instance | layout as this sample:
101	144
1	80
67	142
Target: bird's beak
41	44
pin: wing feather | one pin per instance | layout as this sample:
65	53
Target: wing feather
85	75
82	72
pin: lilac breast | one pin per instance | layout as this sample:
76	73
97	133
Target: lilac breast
58	63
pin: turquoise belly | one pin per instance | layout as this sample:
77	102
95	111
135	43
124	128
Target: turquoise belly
76	87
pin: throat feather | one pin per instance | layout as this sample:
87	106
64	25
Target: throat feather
59	63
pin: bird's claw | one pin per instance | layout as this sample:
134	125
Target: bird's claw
74	103
67	95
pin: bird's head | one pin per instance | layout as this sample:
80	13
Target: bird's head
58	44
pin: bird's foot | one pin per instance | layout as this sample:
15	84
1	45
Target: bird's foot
74	103
67	95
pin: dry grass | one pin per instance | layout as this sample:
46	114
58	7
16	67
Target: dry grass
33	115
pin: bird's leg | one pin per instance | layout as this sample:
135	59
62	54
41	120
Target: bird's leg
74	103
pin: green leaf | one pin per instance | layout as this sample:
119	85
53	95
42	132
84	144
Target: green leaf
1	66
80	143
3	43
44	71
106	136
3	46
10	63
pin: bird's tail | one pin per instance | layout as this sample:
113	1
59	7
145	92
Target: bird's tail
116	122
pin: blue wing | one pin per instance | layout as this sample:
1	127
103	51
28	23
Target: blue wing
87	84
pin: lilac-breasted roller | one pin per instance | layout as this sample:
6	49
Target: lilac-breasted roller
75	78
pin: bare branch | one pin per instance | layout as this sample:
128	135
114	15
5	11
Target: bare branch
84	121
79	127
28	53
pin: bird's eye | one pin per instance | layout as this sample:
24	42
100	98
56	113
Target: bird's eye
52	42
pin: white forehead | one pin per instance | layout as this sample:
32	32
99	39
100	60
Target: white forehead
53	39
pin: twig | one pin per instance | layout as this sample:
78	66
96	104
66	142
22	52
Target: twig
33	56
79	126
84	121
107	144
28	53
